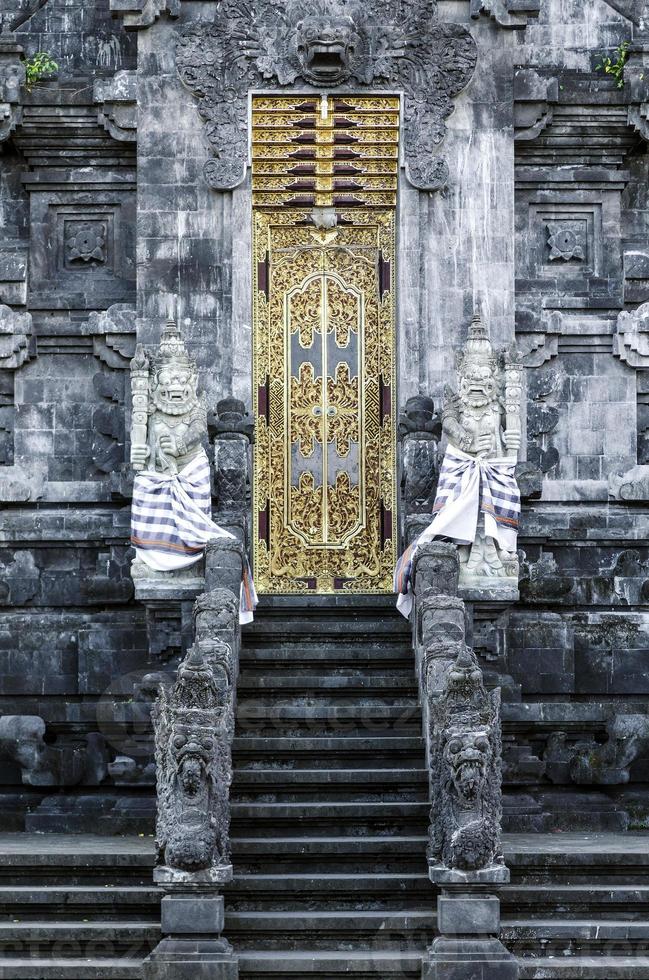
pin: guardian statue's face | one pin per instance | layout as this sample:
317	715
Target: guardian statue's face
478	387
174	389
467	755
326	48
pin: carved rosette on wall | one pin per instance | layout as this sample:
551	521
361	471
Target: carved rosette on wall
338	47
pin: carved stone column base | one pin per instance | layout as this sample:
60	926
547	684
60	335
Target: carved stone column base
486	589
192	947
469	959
191	959
468	919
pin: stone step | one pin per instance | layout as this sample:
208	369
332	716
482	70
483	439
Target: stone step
74	968
293	785
314	630
345	683
339	649
574	931
77	938
326	929
330	750
572	859
383	817
327	709
367	964
570	899
326	846
584	968
325	721
328	883
330	892
327	855
21	901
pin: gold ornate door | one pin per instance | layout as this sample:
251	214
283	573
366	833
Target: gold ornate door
324	465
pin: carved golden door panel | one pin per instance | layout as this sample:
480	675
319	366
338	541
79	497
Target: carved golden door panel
324	473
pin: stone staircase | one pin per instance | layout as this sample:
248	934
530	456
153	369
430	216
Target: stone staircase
331	805
329	817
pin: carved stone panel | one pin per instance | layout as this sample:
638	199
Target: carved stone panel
399	47
83	252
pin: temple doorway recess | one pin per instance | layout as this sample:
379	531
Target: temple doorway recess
324	183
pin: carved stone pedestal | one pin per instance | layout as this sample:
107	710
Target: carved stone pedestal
192	947
468	919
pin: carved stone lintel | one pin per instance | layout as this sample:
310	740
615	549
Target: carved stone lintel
276	44
12	77
507	13
17	342
632	485
117	99
137	14
631	341
533	97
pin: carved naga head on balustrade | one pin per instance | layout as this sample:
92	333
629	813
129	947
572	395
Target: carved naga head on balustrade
466	812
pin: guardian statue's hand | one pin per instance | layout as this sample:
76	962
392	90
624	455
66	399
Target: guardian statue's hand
513	440
167	445
139	453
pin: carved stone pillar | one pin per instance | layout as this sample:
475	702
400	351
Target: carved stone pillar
419	431
12	76
194	728
232	471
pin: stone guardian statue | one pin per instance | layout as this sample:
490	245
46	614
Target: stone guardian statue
171	514
477	504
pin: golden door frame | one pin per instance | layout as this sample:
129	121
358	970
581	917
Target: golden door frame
324	475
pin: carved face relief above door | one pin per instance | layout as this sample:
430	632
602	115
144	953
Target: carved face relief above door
324	345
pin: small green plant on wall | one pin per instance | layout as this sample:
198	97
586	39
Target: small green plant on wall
615	67
38	69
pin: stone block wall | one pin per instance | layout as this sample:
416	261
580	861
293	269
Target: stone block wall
106	215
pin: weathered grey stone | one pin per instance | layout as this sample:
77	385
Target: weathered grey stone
194	725
117	98
283	45
169	419
12	77
22	739
483	419
466	803
479	959
187	914
468	914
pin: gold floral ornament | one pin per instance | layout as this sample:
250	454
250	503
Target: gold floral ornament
343	313
305	312
307	419
342	409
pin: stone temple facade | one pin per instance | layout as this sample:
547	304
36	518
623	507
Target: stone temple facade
444	159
